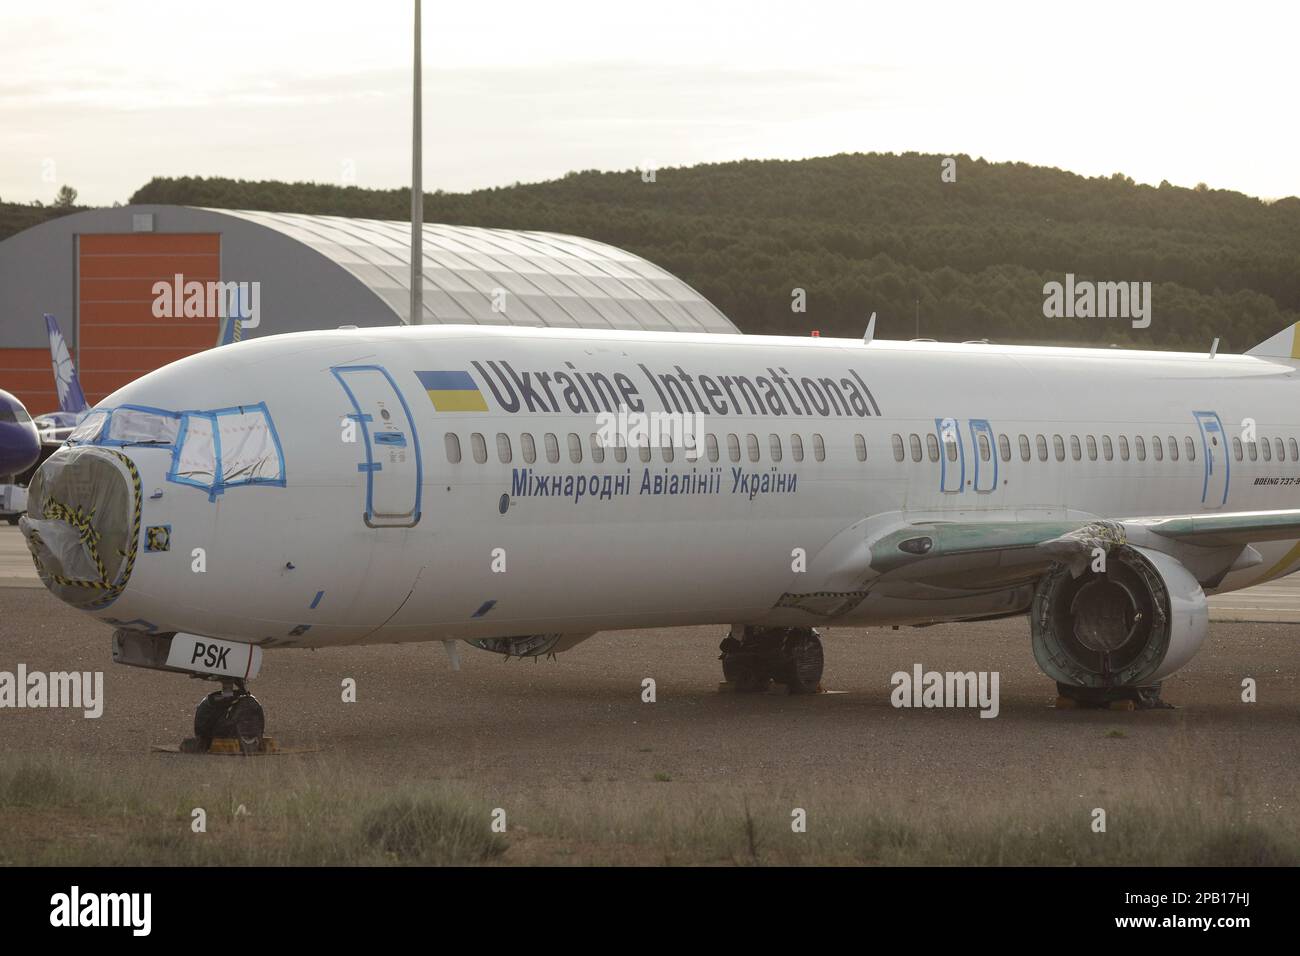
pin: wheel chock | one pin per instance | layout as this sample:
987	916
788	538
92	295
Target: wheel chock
225	746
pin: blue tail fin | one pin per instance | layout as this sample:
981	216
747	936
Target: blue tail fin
71	397
231	328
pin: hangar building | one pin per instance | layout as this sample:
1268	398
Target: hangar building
97	271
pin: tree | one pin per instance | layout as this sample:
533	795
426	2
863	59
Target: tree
66	198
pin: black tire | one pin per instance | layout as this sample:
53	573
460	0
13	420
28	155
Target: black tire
732	669
248	721
207	715
803	673
741	670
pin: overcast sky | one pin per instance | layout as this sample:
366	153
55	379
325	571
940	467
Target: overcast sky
105	95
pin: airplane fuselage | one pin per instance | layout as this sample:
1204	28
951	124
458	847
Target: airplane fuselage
376	525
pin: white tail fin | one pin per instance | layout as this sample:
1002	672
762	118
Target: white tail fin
1284	345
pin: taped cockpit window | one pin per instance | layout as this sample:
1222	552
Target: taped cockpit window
249	450
226	448
90	427
195	460
131	425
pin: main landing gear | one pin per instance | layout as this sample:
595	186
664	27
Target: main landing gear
753	658
1110	698
229	720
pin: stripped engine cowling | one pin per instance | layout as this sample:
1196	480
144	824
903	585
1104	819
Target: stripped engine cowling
1132	625
530	645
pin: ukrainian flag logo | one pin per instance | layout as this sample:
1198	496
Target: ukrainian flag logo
452	391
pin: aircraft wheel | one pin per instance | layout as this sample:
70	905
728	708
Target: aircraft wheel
222	714
803	673
744	673
206	715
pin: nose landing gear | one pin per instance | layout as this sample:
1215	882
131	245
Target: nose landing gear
230	720
753	658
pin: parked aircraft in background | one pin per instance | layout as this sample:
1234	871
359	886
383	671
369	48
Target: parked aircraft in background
20	444
451	483
56	426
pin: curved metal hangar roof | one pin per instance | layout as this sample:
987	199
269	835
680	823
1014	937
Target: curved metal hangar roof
549	279
98	272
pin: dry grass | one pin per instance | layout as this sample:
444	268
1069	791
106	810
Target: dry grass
309	812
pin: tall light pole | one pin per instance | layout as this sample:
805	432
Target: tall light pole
417	193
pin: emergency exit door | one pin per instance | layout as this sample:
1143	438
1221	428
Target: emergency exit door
1214	452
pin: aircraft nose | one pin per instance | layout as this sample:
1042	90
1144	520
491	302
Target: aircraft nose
20	444
83	523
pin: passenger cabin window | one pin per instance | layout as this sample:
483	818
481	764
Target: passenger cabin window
552	448
1024	448
751	444
819	447
597	449
643	448
1058	445
620	453
1236	448
1004	447
452	443
860	447
986	451
666	452
1141	447
479	446
1041	442
733	447
1092	448
711	446
1267	451
774	446
1252	449
1076	451
1295	449
932	447
1107	449
796	447
1173	448
1281	452
914	441
529	447
1123	448
898	447
1189	448
503	448
1156	449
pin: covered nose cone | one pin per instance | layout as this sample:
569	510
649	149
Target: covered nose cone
83	524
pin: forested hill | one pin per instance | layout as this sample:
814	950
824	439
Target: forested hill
884	233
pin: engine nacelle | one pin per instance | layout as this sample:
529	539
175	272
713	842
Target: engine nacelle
529	645
1133	625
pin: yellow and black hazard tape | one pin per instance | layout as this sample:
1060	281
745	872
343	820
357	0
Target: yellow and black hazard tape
90	538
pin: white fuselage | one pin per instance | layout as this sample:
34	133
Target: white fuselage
344	553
